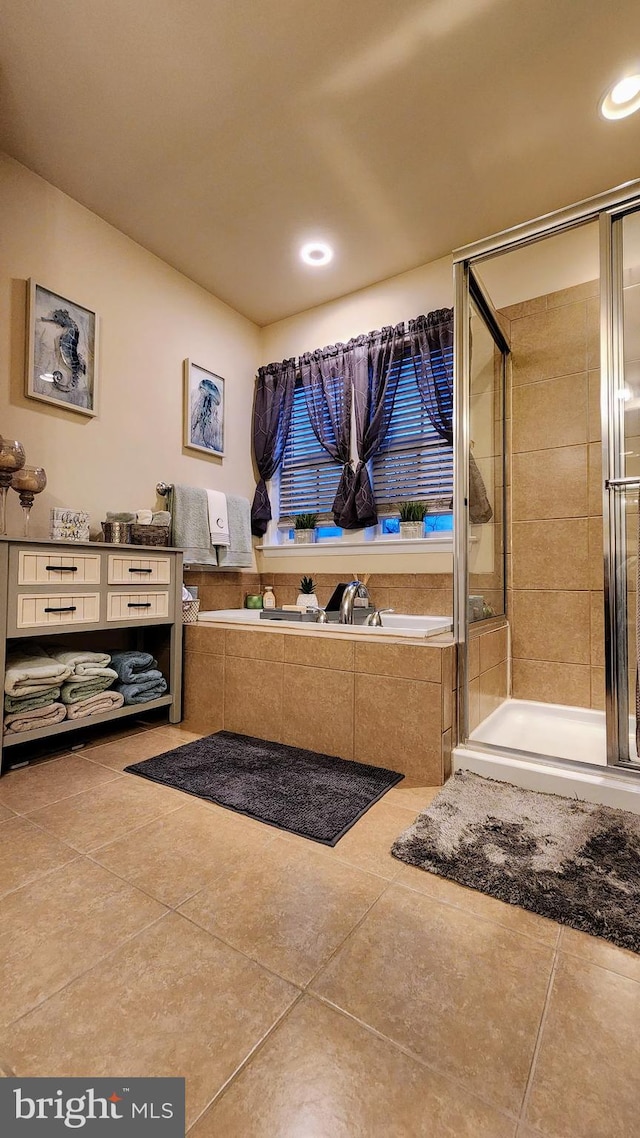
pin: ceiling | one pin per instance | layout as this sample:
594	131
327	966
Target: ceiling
222	135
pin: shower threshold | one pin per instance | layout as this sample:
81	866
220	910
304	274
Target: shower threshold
576	734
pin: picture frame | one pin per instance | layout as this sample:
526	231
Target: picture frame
62	351
204	410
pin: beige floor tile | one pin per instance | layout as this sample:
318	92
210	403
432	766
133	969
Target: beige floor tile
585	1080
5	813
178	735
59	926
98	816
134	749
39	784
509	916
176	855
461	993
27	853
414	798
286	907
602	952
367	844
322	1075
172	1001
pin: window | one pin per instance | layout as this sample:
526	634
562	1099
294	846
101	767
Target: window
414	463
309	477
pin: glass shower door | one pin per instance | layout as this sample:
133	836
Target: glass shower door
621	407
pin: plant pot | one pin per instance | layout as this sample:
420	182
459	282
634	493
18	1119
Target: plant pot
304	536
309	599
412	530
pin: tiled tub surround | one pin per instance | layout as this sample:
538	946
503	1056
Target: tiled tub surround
414	593
488	664
390	703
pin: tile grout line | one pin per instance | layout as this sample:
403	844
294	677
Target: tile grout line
90	968
538	1043
471	913
66	797
94	849
441	1073
257	1047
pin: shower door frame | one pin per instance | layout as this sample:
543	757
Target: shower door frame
608	209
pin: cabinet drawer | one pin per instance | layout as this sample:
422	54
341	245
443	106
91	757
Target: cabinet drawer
137	606
35	611
58	568
127	570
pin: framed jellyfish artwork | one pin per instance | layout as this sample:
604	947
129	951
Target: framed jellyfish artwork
62	351
203	410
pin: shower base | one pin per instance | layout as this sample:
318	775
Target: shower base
547	731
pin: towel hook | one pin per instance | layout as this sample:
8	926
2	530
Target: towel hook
162	488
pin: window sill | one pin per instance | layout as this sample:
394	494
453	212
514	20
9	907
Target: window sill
439	544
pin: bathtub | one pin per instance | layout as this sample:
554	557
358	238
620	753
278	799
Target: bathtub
393	624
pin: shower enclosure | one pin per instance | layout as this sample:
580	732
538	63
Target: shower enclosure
547	406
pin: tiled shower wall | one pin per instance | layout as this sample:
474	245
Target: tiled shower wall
555	574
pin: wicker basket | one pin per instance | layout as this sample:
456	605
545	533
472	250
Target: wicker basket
150	535
190	610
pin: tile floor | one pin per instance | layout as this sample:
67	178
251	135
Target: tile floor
304	992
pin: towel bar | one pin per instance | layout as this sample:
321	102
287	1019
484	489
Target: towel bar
163	488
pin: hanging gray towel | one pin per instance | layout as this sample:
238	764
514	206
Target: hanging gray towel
480	510
190	512
239	554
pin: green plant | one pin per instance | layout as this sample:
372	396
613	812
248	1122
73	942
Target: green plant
306	521
412	511
307	586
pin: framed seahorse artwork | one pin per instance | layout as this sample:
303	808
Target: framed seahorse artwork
62	351
203	410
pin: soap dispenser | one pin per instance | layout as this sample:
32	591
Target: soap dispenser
268	597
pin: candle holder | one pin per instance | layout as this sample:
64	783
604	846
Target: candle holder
12	459
28	482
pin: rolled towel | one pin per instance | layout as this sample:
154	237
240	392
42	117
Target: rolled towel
95	705
123	516
143	680
31	670
143	517
161	518
32	720
76	690
14	704
83	664
143	693
130	664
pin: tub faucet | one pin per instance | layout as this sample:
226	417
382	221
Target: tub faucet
354	589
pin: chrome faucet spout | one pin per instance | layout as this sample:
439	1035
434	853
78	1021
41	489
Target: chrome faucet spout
354	589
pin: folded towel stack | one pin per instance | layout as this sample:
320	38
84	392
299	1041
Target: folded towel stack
32	685
139	680
90	676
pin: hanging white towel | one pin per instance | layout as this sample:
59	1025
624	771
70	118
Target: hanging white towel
218	517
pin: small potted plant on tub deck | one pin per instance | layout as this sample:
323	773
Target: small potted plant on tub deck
412	515
305	528
307	594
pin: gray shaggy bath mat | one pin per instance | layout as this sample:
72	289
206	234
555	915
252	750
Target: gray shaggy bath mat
572	861
317	796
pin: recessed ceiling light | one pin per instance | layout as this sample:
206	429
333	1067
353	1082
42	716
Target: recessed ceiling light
316	253
622	99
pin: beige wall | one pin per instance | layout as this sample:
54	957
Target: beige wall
151	318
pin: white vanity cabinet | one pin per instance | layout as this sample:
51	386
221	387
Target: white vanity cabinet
52	588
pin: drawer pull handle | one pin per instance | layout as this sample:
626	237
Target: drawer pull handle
69	608
139	605
131	570
61	568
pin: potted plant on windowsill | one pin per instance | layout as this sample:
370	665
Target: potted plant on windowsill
307	595
412	515
305	528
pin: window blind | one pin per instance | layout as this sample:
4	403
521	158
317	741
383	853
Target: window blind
308	476
414	463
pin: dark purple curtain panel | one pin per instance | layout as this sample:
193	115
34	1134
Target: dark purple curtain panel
271	421
327	390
